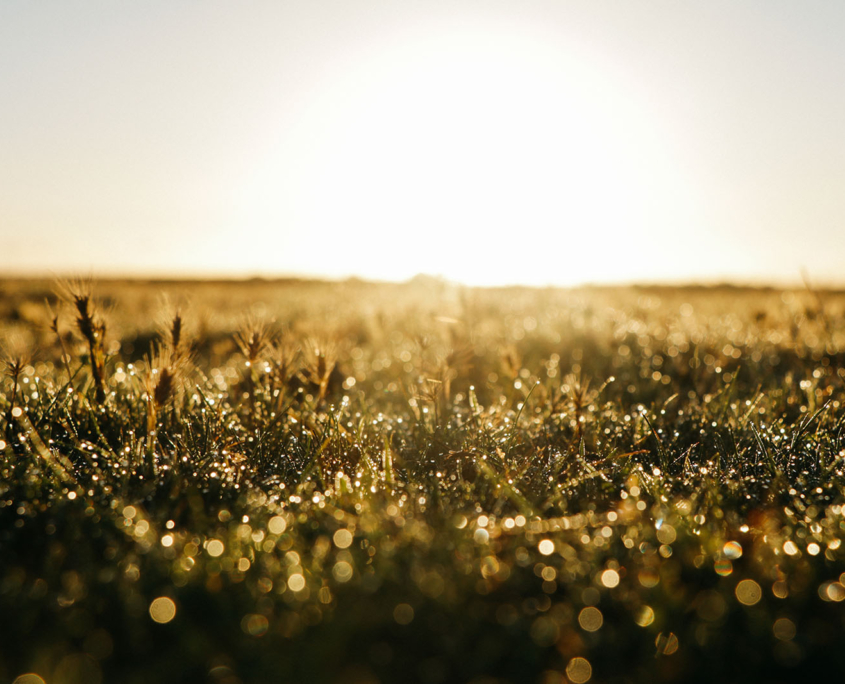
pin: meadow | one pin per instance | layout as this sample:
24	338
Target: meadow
290	481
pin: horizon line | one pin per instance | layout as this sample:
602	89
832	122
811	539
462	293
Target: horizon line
189	276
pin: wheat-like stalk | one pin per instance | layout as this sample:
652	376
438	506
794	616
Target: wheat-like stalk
92	329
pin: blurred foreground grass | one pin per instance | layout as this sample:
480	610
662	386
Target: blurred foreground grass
350	482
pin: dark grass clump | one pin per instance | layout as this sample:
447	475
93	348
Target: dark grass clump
418	483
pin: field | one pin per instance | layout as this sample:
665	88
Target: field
353	482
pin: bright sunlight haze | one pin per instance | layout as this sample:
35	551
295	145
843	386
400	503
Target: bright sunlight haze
487	142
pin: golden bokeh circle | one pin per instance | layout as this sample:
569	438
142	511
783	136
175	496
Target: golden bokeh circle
610	578
342	538
546	547
162	610
215	548
579	670
590	619
748	592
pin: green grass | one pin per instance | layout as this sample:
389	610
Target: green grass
379	483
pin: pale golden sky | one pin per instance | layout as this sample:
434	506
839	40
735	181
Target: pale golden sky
492	142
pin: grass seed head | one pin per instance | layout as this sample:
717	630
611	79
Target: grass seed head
91	327
254	338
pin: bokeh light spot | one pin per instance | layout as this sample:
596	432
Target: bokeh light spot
342	539
723	567
732	550
590	619
784	629
579	670
644	616
832	591
648	577
162	610
748	592
342	571
610	578
666	644
403	614
215	548
296	582
29	678
666	534
255	624
546	547
277	525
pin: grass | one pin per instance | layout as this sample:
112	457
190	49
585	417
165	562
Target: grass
316	482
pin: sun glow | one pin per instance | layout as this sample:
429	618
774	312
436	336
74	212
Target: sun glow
485	156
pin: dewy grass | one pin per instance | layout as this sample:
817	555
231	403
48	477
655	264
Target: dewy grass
418	483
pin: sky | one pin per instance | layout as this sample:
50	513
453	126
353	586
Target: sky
537	142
